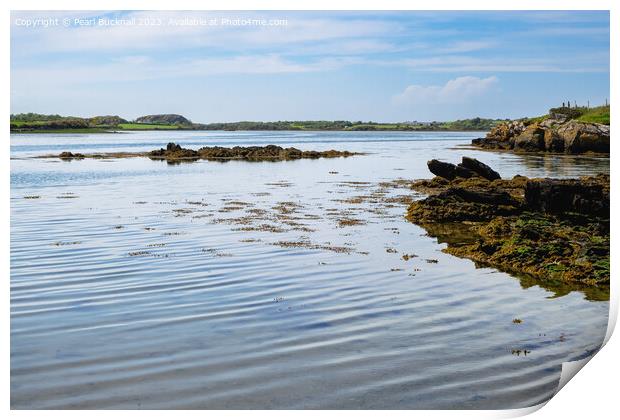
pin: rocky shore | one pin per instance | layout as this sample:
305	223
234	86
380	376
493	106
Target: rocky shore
550	229
558	132
174	153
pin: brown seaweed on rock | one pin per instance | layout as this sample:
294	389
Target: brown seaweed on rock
548	229
174	153
253	153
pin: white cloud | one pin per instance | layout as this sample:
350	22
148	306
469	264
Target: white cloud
459	90
467	46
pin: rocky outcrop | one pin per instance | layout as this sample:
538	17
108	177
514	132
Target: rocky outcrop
175	153
469	167
70	156
547	228
588	196
555	134
581	137
271	152
173	119
501	136
532	139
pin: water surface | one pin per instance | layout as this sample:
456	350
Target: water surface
136	284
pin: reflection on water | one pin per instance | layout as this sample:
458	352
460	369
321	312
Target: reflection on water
461	234
564	165
137	284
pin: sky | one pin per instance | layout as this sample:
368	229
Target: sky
271	66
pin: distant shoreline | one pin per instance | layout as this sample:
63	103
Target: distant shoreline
39	123
104	131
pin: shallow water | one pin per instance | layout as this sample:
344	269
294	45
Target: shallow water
135	285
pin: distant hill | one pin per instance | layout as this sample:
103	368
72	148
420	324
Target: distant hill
108	120
174	119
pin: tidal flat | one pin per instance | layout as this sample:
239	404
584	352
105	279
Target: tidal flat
287	284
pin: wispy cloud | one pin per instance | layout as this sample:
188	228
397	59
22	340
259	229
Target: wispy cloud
326	64
166	34
460	63
144	68
467	46
459	90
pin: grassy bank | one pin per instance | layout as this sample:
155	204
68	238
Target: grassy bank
599	114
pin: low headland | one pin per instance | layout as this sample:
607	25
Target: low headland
555	230
568	130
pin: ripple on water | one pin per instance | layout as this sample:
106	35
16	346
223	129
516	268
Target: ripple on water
119	301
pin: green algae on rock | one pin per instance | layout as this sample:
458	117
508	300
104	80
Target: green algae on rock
549	229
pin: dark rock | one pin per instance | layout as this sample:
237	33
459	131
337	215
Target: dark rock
174	151
268	153
462	204
558	196
442	169
462	172
69	156
480	168
547	229
489	196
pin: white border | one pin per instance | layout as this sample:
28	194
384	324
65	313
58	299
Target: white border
592	395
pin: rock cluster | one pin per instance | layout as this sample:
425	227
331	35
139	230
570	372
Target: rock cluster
70	156
469	167
548	228
556	134
271	152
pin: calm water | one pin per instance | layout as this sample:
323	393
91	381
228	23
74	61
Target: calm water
138	284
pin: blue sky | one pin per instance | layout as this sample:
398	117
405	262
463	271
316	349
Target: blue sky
380	66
